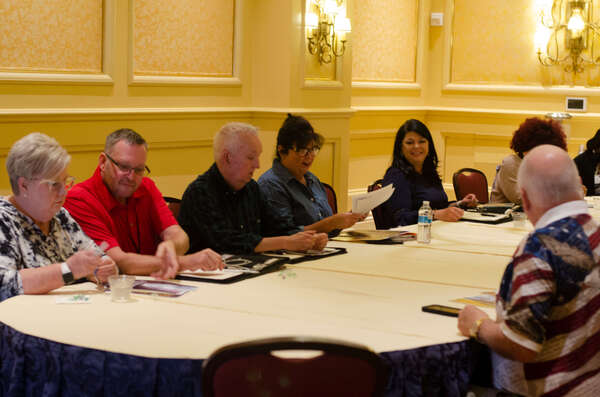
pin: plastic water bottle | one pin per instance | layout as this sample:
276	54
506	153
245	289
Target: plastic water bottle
424	226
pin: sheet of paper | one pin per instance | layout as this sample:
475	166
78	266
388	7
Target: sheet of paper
363	203
482	217
212	274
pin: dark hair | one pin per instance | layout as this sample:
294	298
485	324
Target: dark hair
534	132
593	144
431	161
124	134
296	132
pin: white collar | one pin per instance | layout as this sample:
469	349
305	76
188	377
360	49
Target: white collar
570	208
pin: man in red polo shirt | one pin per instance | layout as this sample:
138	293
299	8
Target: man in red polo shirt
120	206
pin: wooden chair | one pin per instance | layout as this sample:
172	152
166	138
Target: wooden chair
331	197
174	205
470	180
378	212
294	367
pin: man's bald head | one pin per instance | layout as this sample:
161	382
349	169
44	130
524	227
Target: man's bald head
549	177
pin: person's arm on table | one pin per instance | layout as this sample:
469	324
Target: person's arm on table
47	278
341	220
450	214
178	237
472	320
163	265
279	202
301	241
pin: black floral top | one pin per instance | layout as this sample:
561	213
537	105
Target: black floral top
23	245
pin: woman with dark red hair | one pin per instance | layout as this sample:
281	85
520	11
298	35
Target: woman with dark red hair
531	133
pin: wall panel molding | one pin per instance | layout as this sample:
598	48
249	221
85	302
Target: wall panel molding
171	80
543	87
66	78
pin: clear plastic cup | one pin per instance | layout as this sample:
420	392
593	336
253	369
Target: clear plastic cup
120	287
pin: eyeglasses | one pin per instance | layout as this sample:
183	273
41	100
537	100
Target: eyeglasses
306	151
140	171
57	186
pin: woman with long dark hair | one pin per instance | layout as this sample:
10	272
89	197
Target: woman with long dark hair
414	175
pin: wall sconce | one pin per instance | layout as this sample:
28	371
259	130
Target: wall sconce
326	29
566	34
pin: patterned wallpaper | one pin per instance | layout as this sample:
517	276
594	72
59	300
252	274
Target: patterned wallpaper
384	40
51	36
493	42
184	37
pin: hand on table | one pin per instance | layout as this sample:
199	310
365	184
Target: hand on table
106	269
306	240
169	265
206	259
467	318
469	201
450	214
83	263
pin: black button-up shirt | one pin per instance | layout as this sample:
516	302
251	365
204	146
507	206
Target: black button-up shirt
215	216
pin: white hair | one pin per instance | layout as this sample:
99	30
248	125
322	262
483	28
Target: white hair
35	156
549	177
228	137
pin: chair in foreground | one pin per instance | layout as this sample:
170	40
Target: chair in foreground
331	197
470	180
174	205
294	367
378	212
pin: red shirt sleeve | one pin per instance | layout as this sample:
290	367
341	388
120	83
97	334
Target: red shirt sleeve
91	215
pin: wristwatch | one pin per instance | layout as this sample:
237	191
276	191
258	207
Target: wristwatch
67	275
474	330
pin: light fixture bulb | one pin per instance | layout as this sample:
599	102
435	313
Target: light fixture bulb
576	23
342	25
331	8
311	20
542	35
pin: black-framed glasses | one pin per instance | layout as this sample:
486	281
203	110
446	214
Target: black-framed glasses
57	186
305	151
140	171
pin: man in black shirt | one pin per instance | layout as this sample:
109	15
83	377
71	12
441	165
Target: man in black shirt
223	208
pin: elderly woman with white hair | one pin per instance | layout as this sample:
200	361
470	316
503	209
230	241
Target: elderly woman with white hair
41	247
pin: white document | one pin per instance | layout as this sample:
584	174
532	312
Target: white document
364	203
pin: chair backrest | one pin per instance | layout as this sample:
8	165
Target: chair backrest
174	205
378	212
294	367
470	180
331	197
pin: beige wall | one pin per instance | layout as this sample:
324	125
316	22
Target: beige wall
471	81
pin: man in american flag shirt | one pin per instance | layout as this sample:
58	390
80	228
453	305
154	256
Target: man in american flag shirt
546	337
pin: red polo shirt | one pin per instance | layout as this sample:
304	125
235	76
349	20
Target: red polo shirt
135	227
